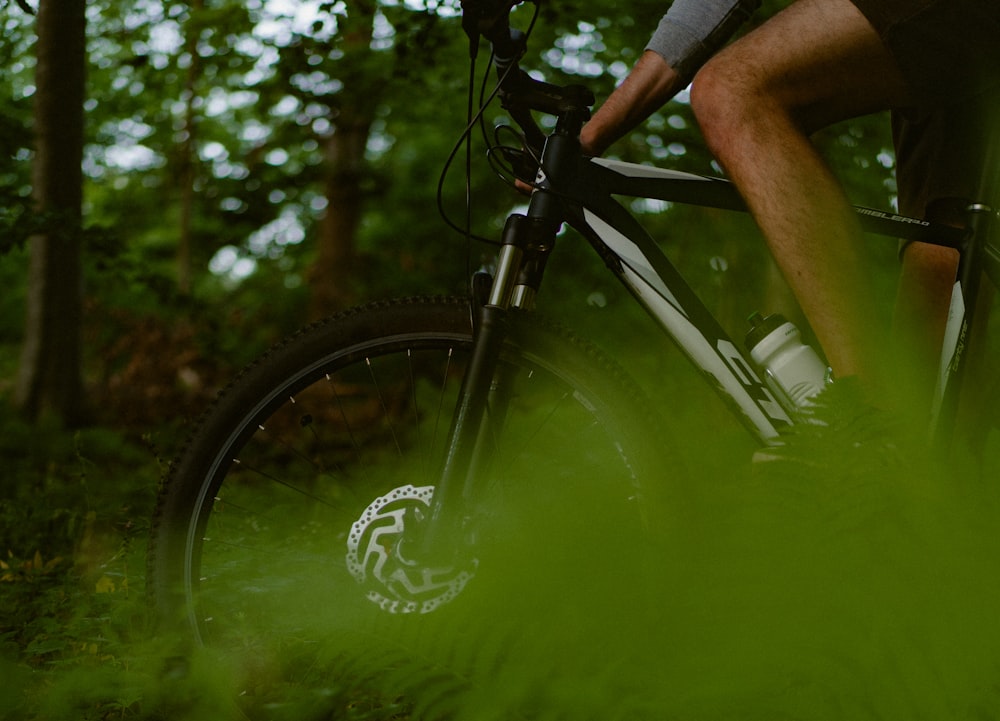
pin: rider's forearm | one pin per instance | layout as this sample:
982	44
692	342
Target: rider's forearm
650	84
690	32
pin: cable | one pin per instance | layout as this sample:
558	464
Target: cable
464	138
474	117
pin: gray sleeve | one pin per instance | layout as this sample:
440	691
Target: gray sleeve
693	30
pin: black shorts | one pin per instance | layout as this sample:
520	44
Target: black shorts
940	153
947	50
949	54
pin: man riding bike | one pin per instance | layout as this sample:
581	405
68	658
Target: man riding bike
935	63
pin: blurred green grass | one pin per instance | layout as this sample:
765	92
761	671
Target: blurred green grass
864	586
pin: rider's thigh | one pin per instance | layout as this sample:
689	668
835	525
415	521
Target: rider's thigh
947	50
940	155
820	61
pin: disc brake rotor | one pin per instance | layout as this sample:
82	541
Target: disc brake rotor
374	558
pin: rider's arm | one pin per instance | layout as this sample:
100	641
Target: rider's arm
650	84
687	36
694	30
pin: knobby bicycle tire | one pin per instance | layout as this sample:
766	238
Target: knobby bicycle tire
249	530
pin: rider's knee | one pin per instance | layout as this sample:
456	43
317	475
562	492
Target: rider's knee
721	100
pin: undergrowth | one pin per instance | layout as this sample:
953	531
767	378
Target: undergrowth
74	512
863	585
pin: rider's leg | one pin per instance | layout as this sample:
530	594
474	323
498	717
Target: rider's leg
921	313
939	161
815	63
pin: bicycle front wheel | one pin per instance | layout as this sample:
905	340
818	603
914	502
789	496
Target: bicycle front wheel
253	528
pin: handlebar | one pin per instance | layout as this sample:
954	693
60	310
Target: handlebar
490	19
519	93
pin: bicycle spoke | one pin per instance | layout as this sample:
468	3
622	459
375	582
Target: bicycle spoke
286	484
385	409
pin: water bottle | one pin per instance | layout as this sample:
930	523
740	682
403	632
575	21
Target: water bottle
792	369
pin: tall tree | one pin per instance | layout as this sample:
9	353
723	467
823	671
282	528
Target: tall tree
188	156
352	113
50	377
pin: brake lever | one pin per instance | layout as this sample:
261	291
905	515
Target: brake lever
470	24
486	18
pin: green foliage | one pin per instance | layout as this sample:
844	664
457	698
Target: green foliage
863	584
70	513
256	95
16	219
21	4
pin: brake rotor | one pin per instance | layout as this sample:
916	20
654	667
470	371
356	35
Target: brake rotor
376	560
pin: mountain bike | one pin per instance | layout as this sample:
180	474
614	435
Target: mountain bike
369	457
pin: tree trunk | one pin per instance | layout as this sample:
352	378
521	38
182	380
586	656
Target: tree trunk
333	275
50	379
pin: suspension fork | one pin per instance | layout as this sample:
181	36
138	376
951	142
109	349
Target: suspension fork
484	394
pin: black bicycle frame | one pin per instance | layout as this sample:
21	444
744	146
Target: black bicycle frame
581	191
640	264
979	256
